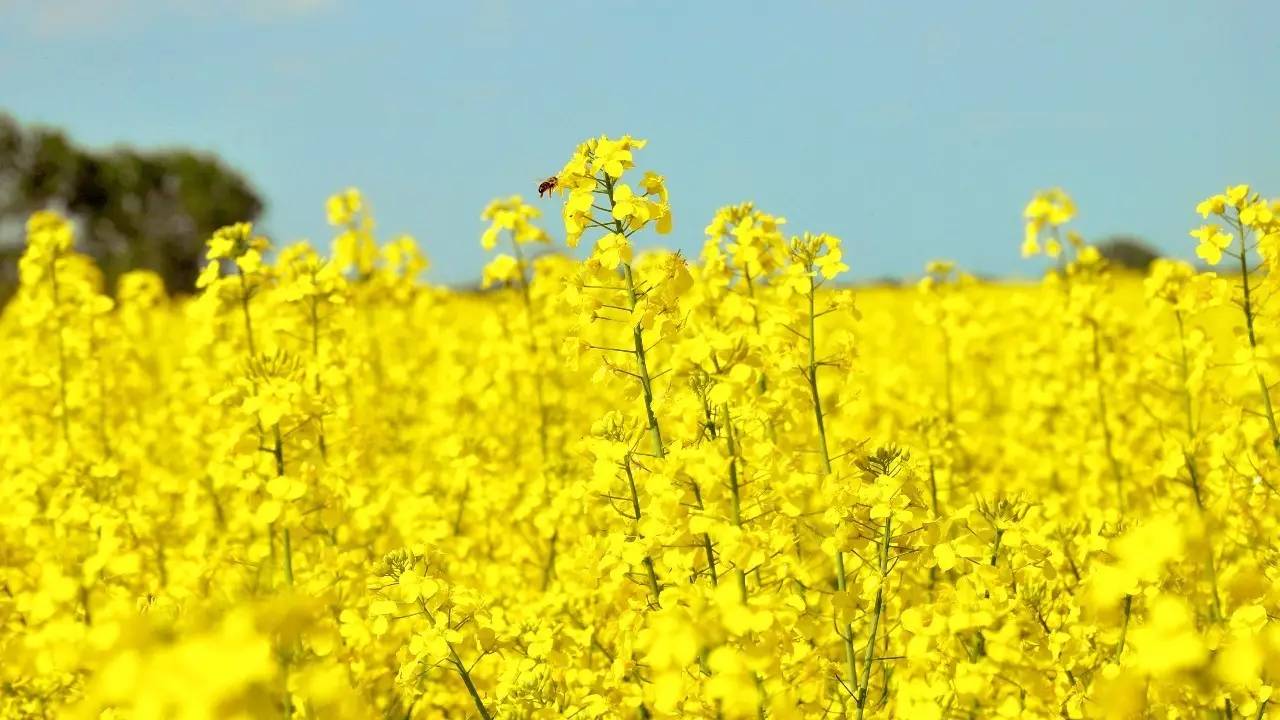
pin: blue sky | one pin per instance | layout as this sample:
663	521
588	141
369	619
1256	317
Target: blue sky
914	131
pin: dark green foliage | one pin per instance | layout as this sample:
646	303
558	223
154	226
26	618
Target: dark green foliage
1128	252
132	209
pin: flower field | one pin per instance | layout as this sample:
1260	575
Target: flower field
643	485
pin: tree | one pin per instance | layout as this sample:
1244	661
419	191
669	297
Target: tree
1128	252
133	209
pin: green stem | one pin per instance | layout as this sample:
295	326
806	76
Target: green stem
816	397
735	491
637	336
461	668
278	453
549	570
462	508
1189	458
466	680
315	357
850	655
248	319
711	559
812	377
84	602
646	386
642	368
288	557
707	545
1253	340
1124	628
869	657
735	494
652	574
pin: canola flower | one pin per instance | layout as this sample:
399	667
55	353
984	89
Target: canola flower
640	485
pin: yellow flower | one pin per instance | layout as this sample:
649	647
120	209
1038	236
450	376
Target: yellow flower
342	208
612	250
829	264
1168	641
655	184
637	483
632	210
1237	195
502	269
230	242
1213	241
49	233
1031	241
1214	205
614	156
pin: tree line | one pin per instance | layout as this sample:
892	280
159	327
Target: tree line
133	209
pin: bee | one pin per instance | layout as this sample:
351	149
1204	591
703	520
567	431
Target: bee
546	186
